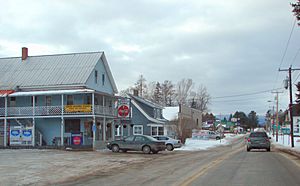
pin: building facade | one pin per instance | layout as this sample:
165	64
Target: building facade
61	100
145	118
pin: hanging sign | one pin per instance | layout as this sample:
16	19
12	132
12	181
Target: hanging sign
124	108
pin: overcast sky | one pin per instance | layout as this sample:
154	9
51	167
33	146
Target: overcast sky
232	47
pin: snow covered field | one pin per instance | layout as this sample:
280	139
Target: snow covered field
195	144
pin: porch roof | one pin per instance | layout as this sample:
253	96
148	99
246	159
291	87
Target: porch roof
51	92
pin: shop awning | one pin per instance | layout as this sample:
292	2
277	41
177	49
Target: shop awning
4	93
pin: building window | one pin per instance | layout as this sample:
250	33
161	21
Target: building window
48	100
118	131
72	125
96	76
12	101
69	99
89	99
35	100
160	131
103	79
157	131
137	129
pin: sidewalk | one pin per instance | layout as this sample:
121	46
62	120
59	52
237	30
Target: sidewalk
284	144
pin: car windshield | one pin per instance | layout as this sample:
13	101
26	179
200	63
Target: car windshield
258	134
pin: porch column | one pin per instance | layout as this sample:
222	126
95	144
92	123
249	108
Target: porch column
62	125
113	129
104	129
33	121
94	121
33	131
5	123
94	132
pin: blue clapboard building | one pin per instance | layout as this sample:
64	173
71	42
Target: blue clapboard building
63	99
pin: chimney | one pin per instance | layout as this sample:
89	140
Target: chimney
24	53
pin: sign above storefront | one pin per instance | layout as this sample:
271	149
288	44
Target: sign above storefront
78	108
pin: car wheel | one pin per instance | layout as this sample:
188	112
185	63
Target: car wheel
217	138
170	147
146	149
115	148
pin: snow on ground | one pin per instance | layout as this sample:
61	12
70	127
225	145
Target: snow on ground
285	141
197	144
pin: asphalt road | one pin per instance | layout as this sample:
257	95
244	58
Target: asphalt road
225	165
253	168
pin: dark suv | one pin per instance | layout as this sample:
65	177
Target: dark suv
258	140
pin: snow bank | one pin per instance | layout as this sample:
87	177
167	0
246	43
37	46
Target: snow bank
195	145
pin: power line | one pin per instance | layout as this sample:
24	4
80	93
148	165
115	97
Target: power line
286	47
294	59
247	94
296	78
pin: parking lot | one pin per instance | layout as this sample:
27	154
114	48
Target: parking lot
43	167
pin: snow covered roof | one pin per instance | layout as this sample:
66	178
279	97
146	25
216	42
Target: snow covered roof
171	113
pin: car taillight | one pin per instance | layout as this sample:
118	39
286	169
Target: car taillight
249	140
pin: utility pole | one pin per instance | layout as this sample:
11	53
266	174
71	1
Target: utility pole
291	101
276	92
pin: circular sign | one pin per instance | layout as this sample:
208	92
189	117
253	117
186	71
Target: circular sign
123	111
76	140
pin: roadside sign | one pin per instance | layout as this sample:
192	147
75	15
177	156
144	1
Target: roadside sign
76	138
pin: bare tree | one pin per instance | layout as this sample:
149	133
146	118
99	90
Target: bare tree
141	86
183	90
200	99
167	92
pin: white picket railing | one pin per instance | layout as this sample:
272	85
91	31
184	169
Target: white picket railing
52	110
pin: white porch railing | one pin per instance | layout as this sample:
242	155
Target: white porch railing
109	111
52	110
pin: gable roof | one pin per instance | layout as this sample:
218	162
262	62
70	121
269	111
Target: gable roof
146	102
58	70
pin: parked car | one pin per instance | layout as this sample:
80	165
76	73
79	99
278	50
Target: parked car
215	135
258	140
170	142
143	143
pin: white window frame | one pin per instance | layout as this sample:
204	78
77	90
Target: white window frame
118	131
138	126
157	130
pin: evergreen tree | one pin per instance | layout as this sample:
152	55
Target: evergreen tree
252	119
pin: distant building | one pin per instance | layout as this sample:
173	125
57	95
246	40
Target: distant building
183	119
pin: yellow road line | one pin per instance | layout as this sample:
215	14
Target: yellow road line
206	167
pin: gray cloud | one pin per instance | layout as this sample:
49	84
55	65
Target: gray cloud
231	47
